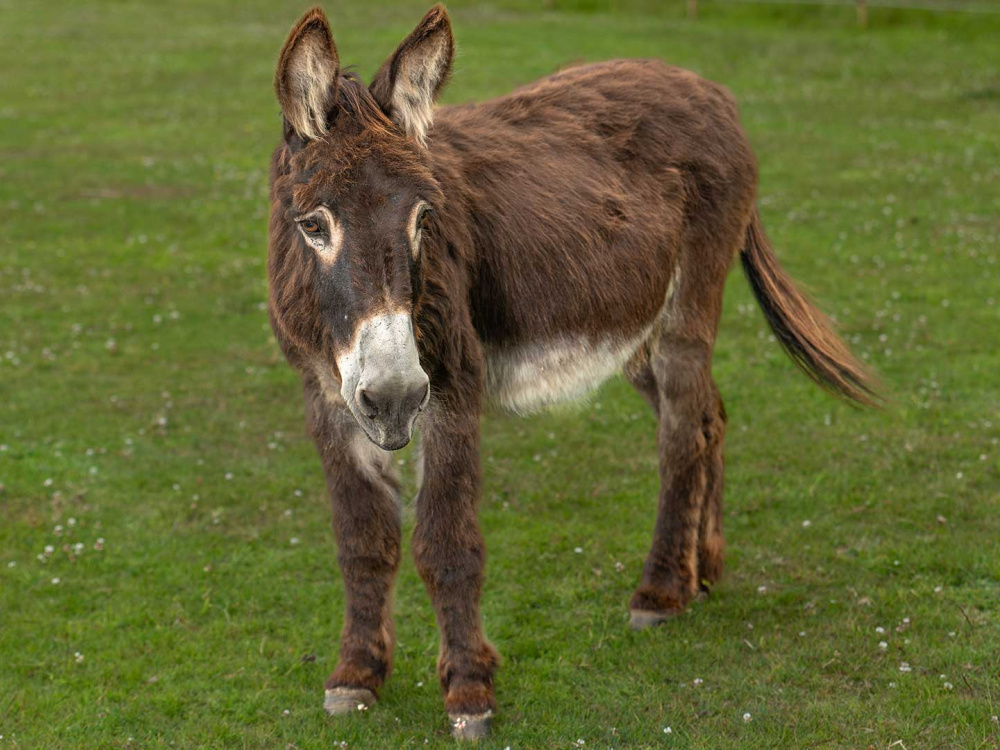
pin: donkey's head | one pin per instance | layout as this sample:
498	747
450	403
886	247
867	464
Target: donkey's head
351	196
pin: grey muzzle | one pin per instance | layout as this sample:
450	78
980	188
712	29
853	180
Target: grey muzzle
382	381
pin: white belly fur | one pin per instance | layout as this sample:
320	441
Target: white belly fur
527	378
530	377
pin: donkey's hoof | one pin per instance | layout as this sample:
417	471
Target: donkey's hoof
345	700
471	726
640	619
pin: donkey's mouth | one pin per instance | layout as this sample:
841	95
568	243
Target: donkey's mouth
395	446
391	439
390	429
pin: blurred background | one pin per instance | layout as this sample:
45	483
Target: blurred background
167	569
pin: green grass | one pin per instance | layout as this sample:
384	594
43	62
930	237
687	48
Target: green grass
143	402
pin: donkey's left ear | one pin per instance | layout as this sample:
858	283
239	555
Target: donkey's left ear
408	83
306	78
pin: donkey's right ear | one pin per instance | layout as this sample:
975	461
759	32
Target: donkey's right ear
409	82
306	78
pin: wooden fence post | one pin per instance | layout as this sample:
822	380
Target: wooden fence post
692	8
863	13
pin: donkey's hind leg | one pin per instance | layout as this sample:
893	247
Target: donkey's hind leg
710	539
673	373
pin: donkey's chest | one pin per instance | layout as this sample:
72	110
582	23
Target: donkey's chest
528	377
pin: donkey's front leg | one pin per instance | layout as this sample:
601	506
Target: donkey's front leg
366	519
450	555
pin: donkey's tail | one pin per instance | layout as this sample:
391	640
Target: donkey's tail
805	333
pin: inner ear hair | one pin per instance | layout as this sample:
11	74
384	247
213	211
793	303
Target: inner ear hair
306	78
409	82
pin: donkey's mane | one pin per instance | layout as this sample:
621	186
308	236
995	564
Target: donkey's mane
354	99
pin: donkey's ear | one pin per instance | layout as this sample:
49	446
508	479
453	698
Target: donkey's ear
410	80
306	78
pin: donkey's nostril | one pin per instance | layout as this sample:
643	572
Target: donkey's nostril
367	404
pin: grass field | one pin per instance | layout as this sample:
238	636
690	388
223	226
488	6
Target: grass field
167	568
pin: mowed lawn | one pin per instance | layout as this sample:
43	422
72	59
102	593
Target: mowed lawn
167	568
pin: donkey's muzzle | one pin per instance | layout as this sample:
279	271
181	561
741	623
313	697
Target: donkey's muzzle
387	408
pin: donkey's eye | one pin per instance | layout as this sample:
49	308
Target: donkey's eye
309	226
424	218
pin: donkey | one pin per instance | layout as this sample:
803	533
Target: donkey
424	263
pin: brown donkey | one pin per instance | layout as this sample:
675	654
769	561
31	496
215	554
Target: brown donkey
520	251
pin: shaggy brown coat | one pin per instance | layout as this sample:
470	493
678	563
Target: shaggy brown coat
580	224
